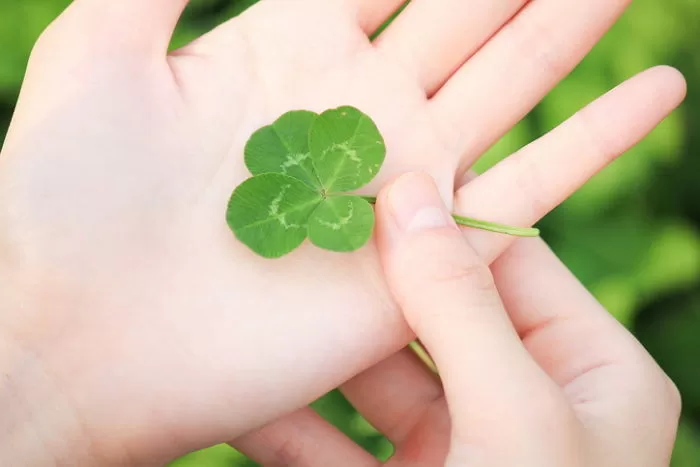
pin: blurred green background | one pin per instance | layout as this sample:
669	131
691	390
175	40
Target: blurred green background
632	235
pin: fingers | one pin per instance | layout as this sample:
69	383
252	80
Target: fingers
607	377
397	396
432	38
405	402
373	13
619	393
139	25
549	307
449	299
303	439
540	176
518	66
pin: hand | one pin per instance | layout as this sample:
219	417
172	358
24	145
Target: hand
148	323
554	381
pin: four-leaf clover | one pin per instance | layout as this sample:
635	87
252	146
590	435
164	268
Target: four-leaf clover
304	165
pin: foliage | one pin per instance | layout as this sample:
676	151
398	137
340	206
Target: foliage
632	235
302	165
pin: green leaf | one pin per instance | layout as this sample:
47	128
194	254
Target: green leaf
283	147
270	212
342	223
347	149
301	165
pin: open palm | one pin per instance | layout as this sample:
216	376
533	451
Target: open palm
115	176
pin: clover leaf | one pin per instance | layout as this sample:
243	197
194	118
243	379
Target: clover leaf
347	149
270	213
283	147
303	165
342	223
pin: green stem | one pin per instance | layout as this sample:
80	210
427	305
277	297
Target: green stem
483	225
424	356
498	228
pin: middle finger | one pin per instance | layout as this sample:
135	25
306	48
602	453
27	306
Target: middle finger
432	38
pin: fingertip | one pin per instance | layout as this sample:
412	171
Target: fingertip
669	83
407	207
415	204
675	80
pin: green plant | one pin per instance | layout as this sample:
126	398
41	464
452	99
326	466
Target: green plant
304	165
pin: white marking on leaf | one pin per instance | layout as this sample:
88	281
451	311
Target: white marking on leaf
294	160
274	210
342	222
351	153
347	150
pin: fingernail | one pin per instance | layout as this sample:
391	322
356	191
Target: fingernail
416	205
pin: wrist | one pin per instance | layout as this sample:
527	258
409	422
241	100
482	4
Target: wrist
59	401
38	426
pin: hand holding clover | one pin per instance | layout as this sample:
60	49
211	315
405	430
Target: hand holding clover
133	325
302	165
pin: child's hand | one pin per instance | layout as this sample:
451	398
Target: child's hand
548	380
152	328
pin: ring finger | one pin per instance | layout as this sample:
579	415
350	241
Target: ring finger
517	68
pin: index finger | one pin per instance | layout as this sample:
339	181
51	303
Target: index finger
133	25
449	299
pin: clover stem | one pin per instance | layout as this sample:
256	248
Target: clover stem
483	225
497	228
423	355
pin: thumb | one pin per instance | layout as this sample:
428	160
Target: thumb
449	299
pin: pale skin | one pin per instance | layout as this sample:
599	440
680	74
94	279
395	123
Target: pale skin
538	376
135	328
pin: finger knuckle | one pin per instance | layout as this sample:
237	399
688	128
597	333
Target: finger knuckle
287	452
538	42
674	399
656	390
531	185
662	391
663	395
444	258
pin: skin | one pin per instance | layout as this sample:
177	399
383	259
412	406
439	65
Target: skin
128	308
536	375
